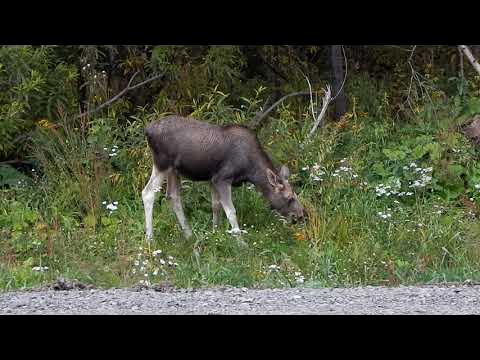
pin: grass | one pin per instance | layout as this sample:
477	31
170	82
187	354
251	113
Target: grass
431	236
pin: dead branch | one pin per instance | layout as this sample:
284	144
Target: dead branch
260	116
419	79
121	93
10	162
317	120
311	98
326	100
466	50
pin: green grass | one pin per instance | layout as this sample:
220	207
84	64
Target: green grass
60	222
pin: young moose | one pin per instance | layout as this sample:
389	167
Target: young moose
225	156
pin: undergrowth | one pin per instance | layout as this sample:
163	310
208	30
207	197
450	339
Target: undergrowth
389	202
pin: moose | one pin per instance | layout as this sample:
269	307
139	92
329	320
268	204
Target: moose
225	156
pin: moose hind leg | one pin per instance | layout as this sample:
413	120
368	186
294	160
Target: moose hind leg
173	195
148	196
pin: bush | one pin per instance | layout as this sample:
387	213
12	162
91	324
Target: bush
33	86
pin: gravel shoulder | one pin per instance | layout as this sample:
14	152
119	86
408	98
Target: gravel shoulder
445	299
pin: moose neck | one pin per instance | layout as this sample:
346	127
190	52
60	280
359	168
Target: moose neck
259	178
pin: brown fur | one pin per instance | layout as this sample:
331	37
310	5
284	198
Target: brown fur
224	155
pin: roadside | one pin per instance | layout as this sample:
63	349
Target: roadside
435	299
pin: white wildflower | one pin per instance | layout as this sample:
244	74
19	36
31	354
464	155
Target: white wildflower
112	207
274	267
384	215
40	268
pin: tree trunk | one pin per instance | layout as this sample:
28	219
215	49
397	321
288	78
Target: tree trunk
338	74
476	51
470	57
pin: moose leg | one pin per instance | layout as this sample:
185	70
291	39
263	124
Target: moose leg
216	207
148	196
173	195
224	191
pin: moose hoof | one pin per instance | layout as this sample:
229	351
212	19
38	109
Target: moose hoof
187	234
236	232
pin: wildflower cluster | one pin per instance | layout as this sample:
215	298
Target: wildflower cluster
40	268
424	173
299	278
344	169
111	207
89	68
22	183
385	215
316	172
415	178
113	151
274	268
392	189
152	265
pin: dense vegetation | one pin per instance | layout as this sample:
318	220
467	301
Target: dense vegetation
390	182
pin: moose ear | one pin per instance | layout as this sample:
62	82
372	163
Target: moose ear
273	178
284	172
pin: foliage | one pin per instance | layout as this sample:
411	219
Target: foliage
33	86
391	199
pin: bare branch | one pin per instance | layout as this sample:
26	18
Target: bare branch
311	97
259	117
465	49
326	100
423	85
121	93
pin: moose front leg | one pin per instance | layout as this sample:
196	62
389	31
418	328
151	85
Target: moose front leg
224	191
148	195
216	207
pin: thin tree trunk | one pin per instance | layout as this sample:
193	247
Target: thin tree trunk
476	51
470	57
338	74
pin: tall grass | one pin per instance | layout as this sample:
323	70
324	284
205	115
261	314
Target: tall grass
62	222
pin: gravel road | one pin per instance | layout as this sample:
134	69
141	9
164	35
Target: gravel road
444	299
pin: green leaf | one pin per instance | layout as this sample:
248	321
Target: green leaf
379	169
419	152
11	176
435	151
393	154
455	170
